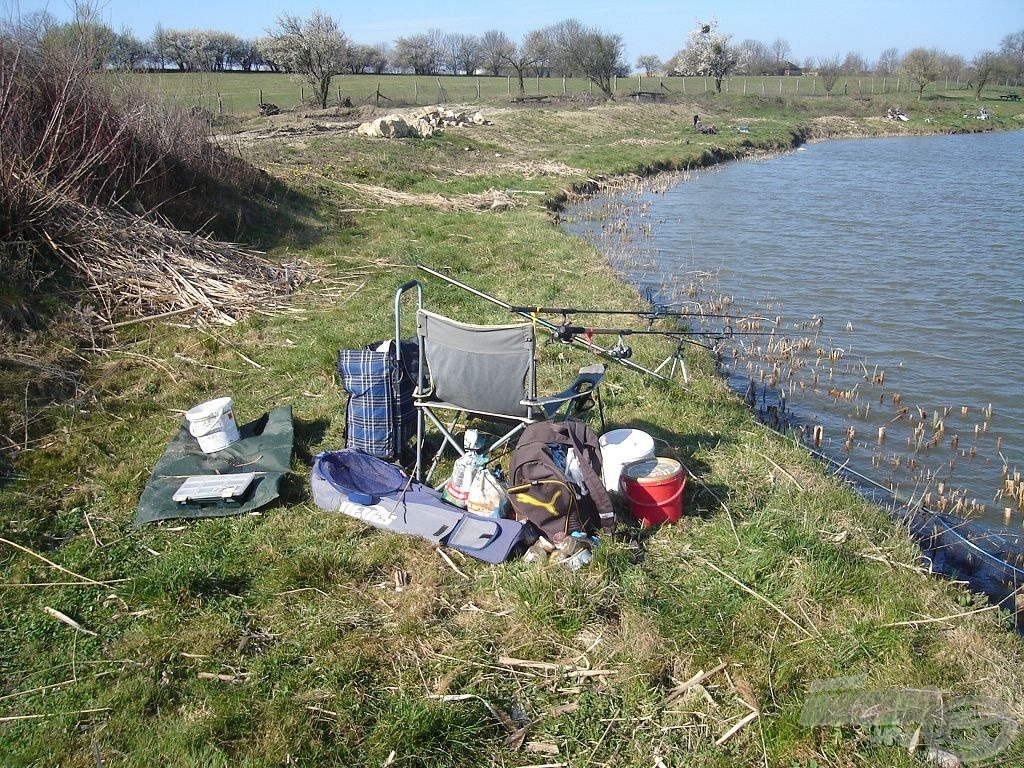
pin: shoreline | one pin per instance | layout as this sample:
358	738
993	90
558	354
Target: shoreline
996	569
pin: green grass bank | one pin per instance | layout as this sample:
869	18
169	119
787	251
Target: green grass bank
296	637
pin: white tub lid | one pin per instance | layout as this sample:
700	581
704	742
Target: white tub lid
634	439
652	469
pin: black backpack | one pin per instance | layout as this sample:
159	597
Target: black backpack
539	490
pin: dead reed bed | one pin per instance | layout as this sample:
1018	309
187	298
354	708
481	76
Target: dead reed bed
101	193
139	268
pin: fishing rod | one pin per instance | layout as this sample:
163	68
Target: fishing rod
569	331
546	325
657	312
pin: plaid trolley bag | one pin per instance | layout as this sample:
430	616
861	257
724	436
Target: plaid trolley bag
380	417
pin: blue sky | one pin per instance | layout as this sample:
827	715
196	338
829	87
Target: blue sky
655	27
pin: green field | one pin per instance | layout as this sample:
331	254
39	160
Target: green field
238	93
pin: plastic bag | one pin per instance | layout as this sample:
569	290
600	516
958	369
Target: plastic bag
487	495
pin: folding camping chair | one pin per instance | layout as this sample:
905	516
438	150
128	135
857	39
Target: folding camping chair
487	372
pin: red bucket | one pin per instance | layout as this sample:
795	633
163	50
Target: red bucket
654	488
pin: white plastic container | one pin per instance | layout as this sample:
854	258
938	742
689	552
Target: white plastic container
620	447
213	424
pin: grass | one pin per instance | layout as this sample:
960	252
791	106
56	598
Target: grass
282	638
238	93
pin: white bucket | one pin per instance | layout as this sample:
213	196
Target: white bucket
620	447
213	424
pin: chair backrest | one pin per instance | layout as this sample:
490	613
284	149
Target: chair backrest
481	368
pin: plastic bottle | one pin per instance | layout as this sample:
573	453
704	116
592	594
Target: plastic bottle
456	490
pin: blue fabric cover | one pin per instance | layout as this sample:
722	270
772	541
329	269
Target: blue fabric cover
380	494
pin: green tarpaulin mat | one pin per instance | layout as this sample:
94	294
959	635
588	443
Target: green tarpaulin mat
265	448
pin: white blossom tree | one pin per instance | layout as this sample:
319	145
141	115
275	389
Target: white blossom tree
709	53
314	48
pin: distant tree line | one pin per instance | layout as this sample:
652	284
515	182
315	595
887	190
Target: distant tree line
711	53
317	49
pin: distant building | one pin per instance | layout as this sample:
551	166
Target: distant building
784	69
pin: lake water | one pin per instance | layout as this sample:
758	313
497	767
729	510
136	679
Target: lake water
887	279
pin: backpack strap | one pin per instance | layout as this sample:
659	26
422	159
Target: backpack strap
587	449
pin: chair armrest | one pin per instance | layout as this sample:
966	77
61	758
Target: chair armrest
588	379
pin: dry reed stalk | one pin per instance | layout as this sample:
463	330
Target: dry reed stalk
755	594
27	551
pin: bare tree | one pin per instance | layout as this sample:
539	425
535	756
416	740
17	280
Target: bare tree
542	51
985	65
780	49
128	51
708	52
650	64
952	65
495	46
315	48
829	70
922	66
888	62
597	55
360	58
519	58
1012	50
563	35
462	53
158	45
854	64
754	58
418	54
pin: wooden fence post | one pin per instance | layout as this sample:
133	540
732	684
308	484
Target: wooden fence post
563	85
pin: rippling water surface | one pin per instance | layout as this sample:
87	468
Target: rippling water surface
911	250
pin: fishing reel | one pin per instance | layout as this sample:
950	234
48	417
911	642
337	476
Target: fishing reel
565	334
621	350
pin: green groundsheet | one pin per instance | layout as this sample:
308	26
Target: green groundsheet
265	448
